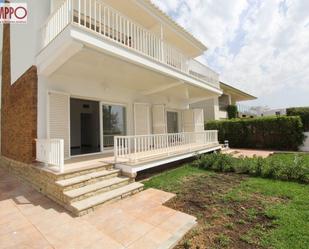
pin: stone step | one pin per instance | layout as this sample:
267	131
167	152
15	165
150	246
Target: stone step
95	188
85	169
85	179
89	204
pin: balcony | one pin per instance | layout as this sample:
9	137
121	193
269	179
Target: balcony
96	17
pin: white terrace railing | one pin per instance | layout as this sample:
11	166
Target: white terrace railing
50	152
135	148
98	17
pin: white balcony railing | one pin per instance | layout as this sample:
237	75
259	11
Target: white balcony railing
98	17
135	148
50	152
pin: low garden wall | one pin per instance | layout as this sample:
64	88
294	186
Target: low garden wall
275	133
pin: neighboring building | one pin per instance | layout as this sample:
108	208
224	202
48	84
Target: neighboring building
114	80
273	112
215	108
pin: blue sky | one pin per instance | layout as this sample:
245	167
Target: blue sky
259	46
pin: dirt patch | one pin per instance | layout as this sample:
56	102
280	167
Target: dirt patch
227	217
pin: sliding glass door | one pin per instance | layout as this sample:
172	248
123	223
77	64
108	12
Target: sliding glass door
114	123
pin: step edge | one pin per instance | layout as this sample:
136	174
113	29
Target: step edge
73	205
75	196
86	179
91	167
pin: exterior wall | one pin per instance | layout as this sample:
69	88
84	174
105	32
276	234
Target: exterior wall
97	91
26	38
210	108
19	109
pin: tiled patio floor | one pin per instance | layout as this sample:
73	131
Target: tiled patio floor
30	220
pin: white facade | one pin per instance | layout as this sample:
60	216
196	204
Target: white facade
102	51
216	108
104	56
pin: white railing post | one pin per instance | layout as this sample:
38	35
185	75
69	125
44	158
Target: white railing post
168	144
115	149
51	152
61	155
190	141
134	138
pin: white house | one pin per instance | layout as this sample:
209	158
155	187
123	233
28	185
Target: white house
110	83
215	108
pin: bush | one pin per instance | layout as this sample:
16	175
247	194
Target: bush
281	167
232	111
278	133
303	113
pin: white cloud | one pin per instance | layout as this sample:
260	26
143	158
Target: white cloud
259	46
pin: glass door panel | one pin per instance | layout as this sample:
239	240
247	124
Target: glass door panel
114	123
172	122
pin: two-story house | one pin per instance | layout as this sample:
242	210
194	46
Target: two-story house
93	90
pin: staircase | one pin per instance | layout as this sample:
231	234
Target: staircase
83	191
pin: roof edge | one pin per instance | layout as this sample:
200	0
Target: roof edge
165	17
252	97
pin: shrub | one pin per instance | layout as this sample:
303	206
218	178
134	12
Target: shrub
303	113
279	133
232	111
276	167
223	163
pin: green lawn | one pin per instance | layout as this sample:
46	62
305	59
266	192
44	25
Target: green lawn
289	157
235	211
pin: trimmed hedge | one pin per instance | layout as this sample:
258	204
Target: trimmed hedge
277	133
232	111
294	168
303	112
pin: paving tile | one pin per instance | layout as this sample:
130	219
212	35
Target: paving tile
15	216
24	236
143	243
176	222
116	222
105	242
30	220
13	225
158	235
130	233
157	215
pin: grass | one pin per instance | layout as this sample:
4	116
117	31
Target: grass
289	157
291	217
284	204
172	180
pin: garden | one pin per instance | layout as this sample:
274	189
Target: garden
242	202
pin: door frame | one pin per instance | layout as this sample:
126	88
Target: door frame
179	112
101	122
101	102
90	99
